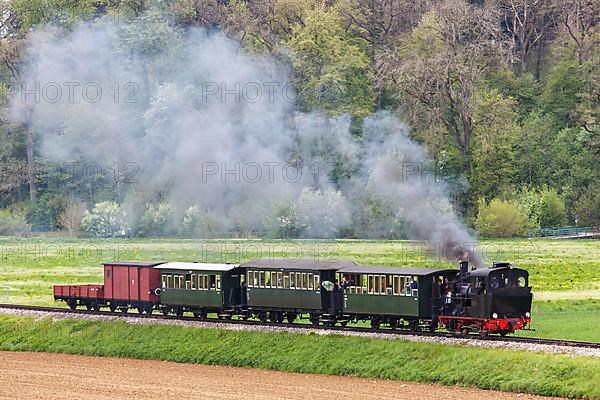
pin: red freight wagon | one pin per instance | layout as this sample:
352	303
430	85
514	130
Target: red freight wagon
90	296
131	285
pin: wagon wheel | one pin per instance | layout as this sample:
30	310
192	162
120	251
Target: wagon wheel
375	323
291	318
88	307
483	333
96	307
72	304
464	332
344	323
124	310
165	311
141	310
413	325
503	333
262	317
113	308
179	312
149	309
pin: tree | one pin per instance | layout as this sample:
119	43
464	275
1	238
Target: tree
326	62
528	22
436	68
580	19
500	218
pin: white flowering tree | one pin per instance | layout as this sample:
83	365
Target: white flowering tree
105	220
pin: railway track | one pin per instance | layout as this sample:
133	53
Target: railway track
299	326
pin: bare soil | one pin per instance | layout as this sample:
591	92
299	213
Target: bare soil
58	376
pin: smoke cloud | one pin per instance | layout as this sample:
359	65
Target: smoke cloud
198	122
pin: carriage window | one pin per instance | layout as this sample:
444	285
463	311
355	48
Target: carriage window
250	280
406	286
317	281
298	280
310	281
364	285
205	282
212	282
164	282
292	280
376	284
273	279
261	279
383	282
218	279
176	282
188	281
304	283
255	277
280	280
396	285
370	283
194	281
267	279
286	280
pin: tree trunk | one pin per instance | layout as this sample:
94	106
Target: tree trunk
30	160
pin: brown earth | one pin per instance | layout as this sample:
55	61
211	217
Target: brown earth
58	376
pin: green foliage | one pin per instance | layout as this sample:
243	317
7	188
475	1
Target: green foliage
494	155
560	95
105	220
500	218
588	207
198	222
552	210
330	66
543	208
13	223
45	214
156	221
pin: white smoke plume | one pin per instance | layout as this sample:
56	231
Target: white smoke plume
202	123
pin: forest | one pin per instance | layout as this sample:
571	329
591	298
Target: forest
503	96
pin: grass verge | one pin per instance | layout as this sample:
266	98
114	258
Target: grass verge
544	374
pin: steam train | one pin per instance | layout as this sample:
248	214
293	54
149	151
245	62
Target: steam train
488	300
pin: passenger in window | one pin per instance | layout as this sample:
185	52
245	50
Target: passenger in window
414	284
345	283
445	286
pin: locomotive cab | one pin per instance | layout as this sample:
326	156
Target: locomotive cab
499	292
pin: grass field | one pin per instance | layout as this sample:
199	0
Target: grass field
566	274
546	374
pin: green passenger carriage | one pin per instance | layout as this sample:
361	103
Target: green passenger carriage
200	288
389	295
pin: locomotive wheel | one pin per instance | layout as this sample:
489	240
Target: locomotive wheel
464	332
503	333
314	320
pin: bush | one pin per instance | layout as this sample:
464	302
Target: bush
70	219
156	221
543	209
105	220
13	223
500	218
322	214
553	212
198	222
587	207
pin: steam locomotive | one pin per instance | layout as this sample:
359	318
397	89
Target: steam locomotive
323	292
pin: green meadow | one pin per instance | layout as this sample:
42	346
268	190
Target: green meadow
565	275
